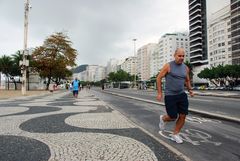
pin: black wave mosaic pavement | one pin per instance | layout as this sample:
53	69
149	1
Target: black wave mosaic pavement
23	148
56	124
19	148
35	110
62	103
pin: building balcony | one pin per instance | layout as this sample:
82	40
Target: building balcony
196	50
197	28
193	6
198	62
195	44
195	38
193	23
199	55
197	10
194	17
193	1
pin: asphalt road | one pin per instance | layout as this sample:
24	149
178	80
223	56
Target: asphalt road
216	105
204	139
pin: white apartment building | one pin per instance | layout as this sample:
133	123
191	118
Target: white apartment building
164	51
143	61
129	65
82	75
219	38
92	73
113	65
100	73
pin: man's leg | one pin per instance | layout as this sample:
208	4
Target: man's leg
171	109
76	94
167	118
183	111
179	124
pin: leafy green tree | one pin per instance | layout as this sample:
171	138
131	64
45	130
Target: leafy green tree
222	74
15	69
6	66
119	76
53	58
122	76
10	67
208	74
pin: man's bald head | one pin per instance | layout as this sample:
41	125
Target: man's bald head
179	55
179	50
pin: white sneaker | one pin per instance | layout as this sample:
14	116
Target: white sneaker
177	138
161	123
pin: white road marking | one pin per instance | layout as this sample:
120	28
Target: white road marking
193	136
197	99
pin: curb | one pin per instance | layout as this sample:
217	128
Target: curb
204	113
218	95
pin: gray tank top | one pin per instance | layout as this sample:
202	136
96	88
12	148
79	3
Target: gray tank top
175	79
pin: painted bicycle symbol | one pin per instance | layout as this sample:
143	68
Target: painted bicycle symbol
200	120
192	136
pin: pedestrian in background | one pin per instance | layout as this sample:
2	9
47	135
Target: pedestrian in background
75	87
176	74
102	86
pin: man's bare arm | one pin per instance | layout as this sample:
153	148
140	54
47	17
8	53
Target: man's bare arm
161	74
188	83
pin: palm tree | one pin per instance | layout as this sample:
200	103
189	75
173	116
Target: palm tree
16	69
6	66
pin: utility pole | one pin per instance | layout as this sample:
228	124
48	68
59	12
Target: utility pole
25	62
134	48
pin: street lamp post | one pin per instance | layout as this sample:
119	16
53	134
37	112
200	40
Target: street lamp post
25	63
134	48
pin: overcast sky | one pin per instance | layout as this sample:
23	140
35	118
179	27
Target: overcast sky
99	29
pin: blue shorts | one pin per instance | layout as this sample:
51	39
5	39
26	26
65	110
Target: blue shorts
176	104
75	92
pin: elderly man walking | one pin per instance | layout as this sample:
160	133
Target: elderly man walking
176	75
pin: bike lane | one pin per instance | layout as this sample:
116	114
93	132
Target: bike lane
205	138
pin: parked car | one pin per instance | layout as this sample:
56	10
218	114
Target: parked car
237	88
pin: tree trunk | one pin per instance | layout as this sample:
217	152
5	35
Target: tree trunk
48	83
15	84
8	82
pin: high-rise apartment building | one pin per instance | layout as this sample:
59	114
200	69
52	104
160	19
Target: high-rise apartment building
198	32
111	66
235	31
130	65
164	52
100	73
219	38
143	61
198	38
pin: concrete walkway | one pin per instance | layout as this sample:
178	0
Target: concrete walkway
59	127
